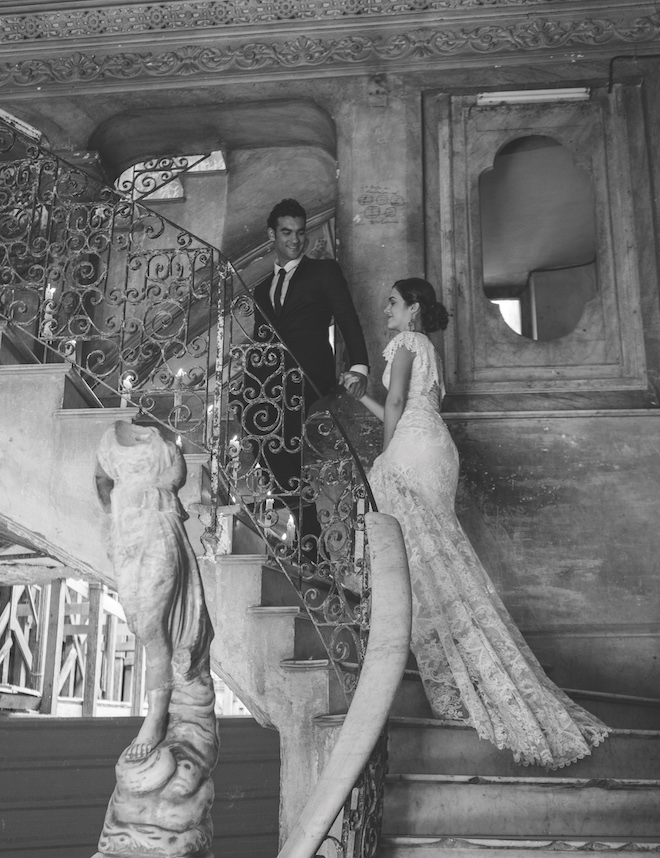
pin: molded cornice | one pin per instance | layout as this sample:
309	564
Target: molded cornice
198	46
53	19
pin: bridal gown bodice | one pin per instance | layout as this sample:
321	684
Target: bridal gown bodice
422	449
475	665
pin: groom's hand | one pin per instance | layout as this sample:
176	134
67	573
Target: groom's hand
355	383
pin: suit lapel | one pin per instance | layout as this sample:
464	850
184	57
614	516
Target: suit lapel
262	298
294	285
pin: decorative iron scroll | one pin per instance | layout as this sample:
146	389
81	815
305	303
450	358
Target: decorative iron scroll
155	319
363	814
290	465
362	817
156	178
101	281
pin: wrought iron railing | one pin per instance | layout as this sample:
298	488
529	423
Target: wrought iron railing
155	319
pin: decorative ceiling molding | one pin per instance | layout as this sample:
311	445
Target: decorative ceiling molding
303	53
173	17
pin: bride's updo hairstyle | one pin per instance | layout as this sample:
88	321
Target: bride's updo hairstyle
434	315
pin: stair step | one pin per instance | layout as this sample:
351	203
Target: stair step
560	808
410	700
624	712
311	639
428	746
274	610
619	710
238	560
78	394
16	347
524	847
306	664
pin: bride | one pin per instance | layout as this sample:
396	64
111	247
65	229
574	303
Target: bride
474	663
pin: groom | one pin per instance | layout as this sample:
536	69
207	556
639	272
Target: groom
311	294
299	300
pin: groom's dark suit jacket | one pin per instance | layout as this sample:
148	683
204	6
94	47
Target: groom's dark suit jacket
317	292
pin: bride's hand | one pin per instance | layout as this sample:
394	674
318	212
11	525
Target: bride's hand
355	383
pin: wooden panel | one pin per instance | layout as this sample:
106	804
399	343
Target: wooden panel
58	774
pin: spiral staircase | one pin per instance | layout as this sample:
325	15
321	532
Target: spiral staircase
446	792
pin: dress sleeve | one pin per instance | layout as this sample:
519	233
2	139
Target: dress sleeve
405	338
424	353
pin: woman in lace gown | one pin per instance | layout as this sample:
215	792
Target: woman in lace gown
474	663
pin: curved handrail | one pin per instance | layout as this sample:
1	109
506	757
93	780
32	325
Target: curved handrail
382	671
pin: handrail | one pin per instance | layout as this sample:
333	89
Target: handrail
382	671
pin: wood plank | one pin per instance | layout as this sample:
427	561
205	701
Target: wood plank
252	845
93	660
53	647
32	740
58	775
61	823
54	782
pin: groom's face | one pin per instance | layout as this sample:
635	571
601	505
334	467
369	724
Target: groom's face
289	238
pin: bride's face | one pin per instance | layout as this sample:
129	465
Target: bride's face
398	312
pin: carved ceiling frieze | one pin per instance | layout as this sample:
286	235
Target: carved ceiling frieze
177	16
346	50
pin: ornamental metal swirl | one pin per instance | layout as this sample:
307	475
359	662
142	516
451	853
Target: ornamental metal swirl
107	284
155	320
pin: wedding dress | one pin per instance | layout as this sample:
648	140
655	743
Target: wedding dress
474	663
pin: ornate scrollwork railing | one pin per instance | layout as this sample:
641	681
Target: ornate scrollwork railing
155	319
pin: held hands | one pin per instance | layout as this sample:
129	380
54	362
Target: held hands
355	383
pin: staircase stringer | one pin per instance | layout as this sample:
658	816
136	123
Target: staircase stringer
250	652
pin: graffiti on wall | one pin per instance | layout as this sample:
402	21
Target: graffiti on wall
378	204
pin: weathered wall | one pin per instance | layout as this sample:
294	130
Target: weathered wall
563	510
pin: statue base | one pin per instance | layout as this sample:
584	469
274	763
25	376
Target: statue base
161	805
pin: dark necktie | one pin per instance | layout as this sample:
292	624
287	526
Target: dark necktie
277	299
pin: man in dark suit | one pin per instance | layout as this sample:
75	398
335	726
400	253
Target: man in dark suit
313	292
299	300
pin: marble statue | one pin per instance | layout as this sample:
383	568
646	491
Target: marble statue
164	792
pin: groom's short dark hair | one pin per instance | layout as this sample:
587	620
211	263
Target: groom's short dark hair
286	208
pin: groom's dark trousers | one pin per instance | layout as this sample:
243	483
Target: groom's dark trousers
317	294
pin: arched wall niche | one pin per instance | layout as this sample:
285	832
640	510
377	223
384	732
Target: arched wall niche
273	149
538	236
137	135
605	352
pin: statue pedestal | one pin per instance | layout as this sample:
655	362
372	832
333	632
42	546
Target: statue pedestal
161	805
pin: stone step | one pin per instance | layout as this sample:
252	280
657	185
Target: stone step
16	347
620	710
337	700
558	808
470	847
428	746
319	639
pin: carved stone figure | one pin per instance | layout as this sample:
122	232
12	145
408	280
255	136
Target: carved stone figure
164	791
